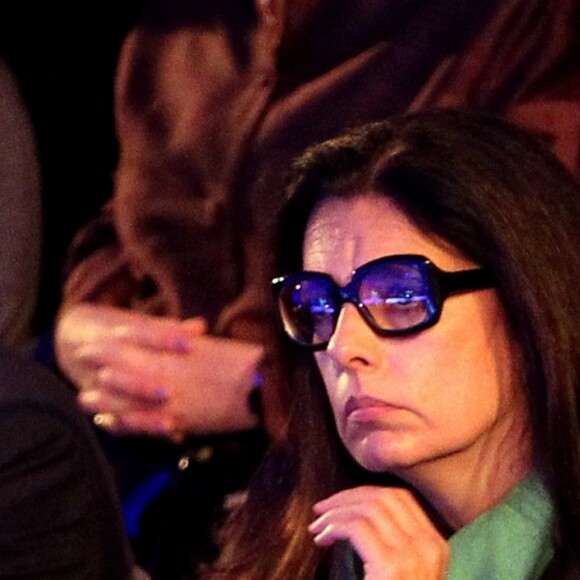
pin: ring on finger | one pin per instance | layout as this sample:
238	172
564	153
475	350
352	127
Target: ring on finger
105	420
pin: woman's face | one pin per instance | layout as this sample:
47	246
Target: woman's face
440	399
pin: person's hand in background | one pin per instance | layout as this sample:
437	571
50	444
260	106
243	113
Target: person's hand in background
144	374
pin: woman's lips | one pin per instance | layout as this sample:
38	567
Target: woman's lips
364	409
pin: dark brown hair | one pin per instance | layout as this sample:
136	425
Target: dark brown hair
499	196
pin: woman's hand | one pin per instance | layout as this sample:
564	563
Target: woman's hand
388	529
158	376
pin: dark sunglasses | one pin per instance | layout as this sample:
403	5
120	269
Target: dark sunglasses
395	295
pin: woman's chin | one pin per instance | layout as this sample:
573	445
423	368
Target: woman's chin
383	453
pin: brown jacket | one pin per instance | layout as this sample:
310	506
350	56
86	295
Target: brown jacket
213	100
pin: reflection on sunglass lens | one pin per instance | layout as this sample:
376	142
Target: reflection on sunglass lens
397	296
309	311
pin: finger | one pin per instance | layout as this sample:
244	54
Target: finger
129	373
359	532
394	513
380	521
356	495
147	422
104	401
164	334
396	505
195	326
94	323
138	423
104	420
130	385
380	562
129	357
393	556
334	523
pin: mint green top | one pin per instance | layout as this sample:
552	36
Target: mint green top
509	542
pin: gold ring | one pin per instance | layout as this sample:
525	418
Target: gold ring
105	420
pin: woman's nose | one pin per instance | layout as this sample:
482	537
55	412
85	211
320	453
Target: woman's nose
353	343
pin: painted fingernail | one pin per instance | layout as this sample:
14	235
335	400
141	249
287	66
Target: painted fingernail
323	536
161	394
181	344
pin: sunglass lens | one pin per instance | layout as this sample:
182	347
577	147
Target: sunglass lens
397	296
309	310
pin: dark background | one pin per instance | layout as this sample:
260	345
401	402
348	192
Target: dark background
64	56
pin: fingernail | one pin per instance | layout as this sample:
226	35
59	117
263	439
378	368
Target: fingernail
323	535
88	397
161	394
320	541
181	344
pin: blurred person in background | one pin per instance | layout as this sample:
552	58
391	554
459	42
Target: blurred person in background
20	215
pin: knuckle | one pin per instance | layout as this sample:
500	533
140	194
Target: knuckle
105	377
435	553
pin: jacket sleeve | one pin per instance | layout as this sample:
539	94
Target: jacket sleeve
96	269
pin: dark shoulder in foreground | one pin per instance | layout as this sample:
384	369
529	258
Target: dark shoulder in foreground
60	515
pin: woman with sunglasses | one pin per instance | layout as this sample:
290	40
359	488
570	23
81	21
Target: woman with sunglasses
429	295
